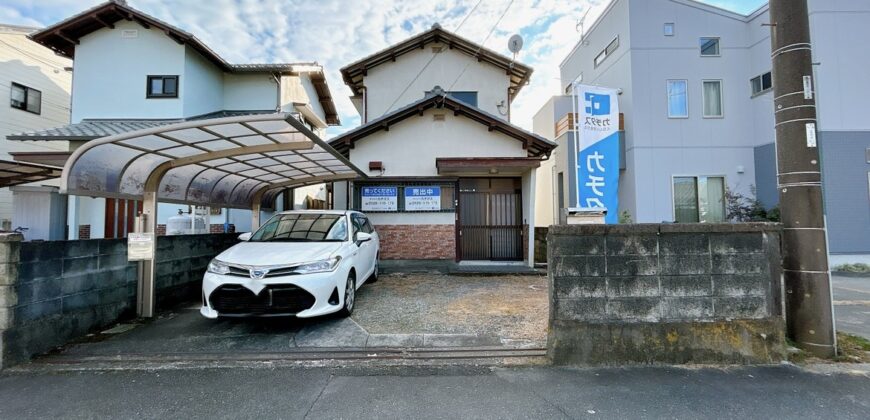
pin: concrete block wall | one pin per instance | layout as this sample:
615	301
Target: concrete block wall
51	292
665	293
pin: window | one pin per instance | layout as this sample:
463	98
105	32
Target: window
709	47
303	228
162	87
469	98
699	199
713	99
761	84
25	98
669	29
417	197
678	99
607	51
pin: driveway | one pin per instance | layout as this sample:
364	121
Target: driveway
400	311
852	304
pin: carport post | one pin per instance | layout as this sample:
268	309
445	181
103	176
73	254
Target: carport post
255	215
145	301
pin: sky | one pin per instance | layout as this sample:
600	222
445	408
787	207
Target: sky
338	32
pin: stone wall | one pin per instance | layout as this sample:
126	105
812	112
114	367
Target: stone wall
53	291
417	242
671	293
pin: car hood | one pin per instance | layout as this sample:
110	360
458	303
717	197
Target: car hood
277	253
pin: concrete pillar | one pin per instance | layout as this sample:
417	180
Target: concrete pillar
10	246
531	216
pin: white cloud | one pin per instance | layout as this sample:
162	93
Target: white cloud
338	32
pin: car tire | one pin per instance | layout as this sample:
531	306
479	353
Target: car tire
374	277
349	296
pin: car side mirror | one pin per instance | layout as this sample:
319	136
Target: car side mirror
363	237
246	236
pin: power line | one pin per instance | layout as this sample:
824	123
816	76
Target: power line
425	66
480	47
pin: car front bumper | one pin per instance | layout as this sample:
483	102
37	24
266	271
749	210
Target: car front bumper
320	285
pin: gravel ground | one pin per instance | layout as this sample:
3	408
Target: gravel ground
508	306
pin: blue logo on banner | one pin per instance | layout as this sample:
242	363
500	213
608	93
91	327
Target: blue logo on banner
598	170
597	104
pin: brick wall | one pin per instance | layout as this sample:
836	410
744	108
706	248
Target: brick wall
417	242
688	293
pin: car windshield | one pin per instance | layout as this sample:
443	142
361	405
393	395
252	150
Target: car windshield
303	228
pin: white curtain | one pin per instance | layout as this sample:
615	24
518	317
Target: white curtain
712	98
711	193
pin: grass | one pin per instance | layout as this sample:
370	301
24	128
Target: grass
853	268
850	349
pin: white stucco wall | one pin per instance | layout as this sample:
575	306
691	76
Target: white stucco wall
110	74
412	145
203	82
250	92
386	82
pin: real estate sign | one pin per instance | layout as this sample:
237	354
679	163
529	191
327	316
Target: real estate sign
597	139
422	198
379	198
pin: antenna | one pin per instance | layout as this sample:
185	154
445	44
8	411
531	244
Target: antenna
515	44
581	28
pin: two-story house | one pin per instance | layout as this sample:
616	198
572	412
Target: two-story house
450	177
36	85
696	93
132	71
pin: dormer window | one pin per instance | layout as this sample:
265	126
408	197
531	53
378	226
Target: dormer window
162	87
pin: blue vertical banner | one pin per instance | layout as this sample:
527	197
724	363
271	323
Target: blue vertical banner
597	137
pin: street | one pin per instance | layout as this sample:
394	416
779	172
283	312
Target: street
449	392
852	304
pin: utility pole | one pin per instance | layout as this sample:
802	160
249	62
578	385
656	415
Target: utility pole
808	305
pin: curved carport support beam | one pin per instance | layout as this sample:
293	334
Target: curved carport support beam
220	162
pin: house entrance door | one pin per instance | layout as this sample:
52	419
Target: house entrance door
490	219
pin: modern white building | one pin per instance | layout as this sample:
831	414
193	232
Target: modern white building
132	71
450	178
698	116
35	83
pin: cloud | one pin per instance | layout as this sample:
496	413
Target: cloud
338	32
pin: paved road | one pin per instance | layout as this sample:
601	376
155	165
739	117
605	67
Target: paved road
455	392
852	305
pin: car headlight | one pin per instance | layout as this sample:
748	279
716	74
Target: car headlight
318	267
218	267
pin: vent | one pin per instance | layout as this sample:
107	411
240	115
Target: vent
130	33
437	49
438	117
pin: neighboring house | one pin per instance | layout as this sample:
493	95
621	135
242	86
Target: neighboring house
35	85
450	177
133	71
698	112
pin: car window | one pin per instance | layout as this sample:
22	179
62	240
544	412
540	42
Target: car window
367	225
303	228
357	223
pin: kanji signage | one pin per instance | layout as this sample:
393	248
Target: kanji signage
422	198
379	198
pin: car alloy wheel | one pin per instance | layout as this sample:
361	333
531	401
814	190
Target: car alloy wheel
349	296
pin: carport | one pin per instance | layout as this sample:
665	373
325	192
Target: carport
241	162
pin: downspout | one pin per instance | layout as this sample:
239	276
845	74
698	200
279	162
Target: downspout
278	96
365	105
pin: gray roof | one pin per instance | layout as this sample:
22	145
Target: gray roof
94	129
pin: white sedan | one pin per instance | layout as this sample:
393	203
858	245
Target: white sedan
303	263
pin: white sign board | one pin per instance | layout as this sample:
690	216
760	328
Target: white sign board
422	198
808	87
811	135
379	199
140	246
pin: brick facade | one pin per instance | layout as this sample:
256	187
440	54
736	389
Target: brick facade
417	242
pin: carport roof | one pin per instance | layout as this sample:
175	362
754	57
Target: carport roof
218	162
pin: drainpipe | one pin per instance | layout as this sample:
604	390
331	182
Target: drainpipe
277	79
365	105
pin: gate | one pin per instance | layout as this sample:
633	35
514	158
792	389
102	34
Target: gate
490	219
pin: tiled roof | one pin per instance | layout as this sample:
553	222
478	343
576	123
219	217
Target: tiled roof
94	129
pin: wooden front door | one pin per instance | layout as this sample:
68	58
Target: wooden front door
490	219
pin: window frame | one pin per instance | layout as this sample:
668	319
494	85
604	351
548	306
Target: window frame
721	99
606	52
673	27
164	77
668	99
698	196
718	46
27	90
760	78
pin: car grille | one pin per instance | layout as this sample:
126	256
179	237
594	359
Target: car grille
274	272
275	299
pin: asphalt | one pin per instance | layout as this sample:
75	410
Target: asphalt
450	392
852	304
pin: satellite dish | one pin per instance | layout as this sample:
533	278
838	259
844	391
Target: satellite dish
515	44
